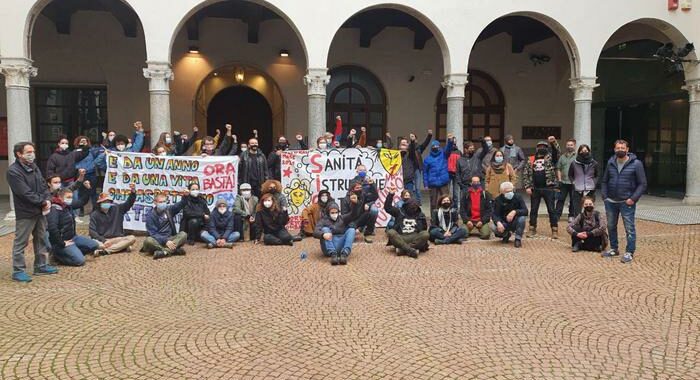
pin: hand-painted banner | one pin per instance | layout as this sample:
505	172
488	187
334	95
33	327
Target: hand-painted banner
306	172
217	177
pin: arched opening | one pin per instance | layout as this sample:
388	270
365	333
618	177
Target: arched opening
484	108
89	55
244	107
529	59
641	100
262	51
386	60
358	97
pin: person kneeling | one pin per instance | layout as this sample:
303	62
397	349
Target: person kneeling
336	232
220	232
163	239
270	222
589	229
477	207
444	228
409	234
68	247
509	215
107	224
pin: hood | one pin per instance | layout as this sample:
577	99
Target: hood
326	192
330	205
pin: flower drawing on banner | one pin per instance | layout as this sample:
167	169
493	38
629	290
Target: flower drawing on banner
299	194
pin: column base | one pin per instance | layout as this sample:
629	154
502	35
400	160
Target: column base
692	200
10	216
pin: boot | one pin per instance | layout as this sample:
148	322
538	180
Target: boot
555	232
532	232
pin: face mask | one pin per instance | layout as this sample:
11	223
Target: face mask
324	199
194	193
362	174
403	148
253	148
435	149
584	155
570	149
245	194
588	208
620	153
55	186
222	210
322	146
163	153
498	159
509	143
29	157
110	138
406	198
267	204
446	205
282	145
82	144
489	143
476	186
541	151
68	201
105	206
161	207
168	140
334	216
379	146
509	195
244	149
63	146
273	189
121	147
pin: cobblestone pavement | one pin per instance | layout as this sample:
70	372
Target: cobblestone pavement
480	310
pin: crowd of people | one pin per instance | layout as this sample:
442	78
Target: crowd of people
474	191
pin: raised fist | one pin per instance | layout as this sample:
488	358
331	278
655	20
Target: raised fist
363	129
337	117
195	129
430	131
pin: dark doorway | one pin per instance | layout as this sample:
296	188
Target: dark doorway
245	109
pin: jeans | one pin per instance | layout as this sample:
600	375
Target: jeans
565	190
151	245
368	220
35	226
74	254
535	198
208	238
338	243
458	233
456	191
517	226
413	188
612	212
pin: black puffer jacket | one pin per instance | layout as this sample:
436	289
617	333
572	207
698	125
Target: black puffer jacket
62	163
195	207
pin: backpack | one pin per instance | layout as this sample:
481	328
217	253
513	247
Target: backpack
452	162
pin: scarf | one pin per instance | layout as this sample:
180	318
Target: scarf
441	218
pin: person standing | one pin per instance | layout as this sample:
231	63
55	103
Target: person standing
31	198
107	224
435	174
469	166
62	162
583	174
497	172
540	181
252	167
624	182
514	155
565	186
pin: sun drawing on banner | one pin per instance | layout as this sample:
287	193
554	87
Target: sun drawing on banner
299	194
391	160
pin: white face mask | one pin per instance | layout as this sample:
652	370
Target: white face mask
63	146
324	199
168	140
379	145
194	193
121	147
322	146
244	149
110	138
29	157
245	194
267	204
55	186
334	216
222	210
68	201
163	153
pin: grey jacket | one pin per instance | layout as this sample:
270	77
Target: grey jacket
515	156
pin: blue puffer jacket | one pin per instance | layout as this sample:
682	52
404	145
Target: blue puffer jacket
630	183
89	162
435	172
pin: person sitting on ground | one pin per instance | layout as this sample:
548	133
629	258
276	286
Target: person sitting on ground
244	211
405	194
68	248
410	233
368	219
476	209
336	233
163	239
195	213
444	223
312	214
271	221
588	230
220	231
274	187
370	195
107	224
509	214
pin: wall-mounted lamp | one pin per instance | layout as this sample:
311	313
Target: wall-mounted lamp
239	75
193	49
284	53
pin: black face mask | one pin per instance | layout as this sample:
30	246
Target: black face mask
584	155
435	149
588	208
541	152
253	147
620	153
282	146
446	205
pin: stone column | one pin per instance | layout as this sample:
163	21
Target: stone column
583	98
455	84
17	72
692	186
316	81
159	75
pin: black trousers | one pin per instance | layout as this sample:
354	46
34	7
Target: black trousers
564	192
576	197
593	243
192	226
535	199
281	237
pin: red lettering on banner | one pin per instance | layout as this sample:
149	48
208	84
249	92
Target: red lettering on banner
219	169
316	166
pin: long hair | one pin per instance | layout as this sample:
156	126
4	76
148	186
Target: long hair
161	141
76	141
260	207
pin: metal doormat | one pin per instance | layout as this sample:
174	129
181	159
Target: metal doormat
678	215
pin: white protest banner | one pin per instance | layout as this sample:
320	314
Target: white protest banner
306	172
217	177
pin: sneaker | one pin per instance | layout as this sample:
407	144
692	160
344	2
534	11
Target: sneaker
412	252
99	252
368	239
506	237
518	243
610	253
576	247
210	246
627	258
179	252
47	269
344	257
298	237
532	232
21	277
228	245
400	252
160	254
335	258
439	242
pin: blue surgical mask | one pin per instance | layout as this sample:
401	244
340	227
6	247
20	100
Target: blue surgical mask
67	201
105	206
509	195
498	159
362	174
489	143
161	207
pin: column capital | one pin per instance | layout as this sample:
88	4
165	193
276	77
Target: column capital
159	75
316	80
583	88
17	72
455	85
693	88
